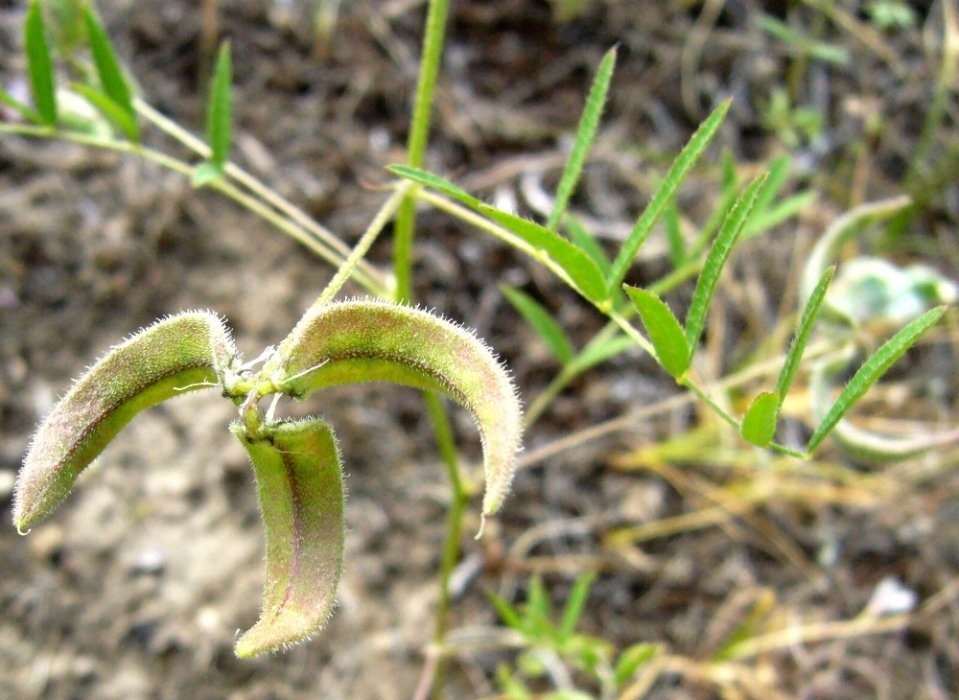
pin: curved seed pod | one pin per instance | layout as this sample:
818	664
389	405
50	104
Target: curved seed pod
358	341
300	486
173	356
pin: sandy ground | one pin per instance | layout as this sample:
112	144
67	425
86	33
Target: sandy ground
137	586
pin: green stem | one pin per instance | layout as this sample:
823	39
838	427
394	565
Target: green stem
416	145
245	200
715	407
483	224
570	371
628	328
376	227
310	226
404	226
552	390
460	496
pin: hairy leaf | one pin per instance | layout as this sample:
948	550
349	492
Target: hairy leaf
803	331
583	272
300	486
359	341
677	174
179	354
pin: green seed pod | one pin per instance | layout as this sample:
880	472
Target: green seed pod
300	485
178	354
358	341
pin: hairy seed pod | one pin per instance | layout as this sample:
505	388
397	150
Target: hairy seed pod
300	486
358	341
178	354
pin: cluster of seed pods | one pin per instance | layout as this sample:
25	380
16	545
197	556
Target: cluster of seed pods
296	463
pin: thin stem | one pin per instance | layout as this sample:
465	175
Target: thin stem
474	219
371	283
433	39
552	390
714	407
108	144
684	272
310	226
404	226
570	371
815	351
460	495
627	327
376	227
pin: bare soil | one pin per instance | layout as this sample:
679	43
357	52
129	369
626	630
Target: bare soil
137	585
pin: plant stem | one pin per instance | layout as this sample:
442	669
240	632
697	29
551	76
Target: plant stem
459	497
570	371
268	195
404	226
376	227
552	390
416	145
715	407
632	332
463	214
372	282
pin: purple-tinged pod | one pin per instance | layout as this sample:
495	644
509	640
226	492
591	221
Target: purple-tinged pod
182	353
300	486
359	341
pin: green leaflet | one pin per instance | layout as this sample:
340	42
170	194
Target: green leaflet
220	111
664	330
585	135
716	260
300	487
667	189
583	273
359	341
870	372
759	423
182	353
110	73
39	65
